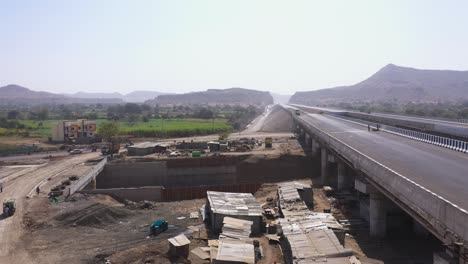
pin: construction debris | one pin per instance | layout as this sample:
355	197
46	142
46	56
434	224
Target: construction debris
200	252
194	215
309	237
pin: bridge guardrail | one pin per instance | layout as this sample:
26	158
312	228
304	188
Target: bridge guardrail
453	144
446	218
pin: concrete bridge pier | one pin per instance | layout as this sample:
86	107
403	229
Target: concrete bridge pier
308	140
377	214
345	177
91	185
324	166
315	147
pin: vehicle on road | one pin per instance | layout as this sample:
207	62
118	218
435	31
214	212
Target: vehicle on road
298	113
76	151
158	227
9	207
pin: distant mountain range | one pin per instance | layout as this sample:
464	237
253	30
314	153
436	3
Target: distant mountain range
16	95
233	96
134	97
394	83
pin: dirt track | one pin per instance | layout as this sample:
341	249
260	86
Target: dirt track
18	185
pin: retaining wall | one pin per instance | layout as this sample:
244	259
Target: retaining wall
152	193
196	172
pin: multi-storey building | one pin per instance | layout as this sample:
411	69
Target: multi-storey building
66	131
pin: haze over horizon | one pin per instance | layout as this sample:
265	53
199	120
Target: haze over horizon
183	46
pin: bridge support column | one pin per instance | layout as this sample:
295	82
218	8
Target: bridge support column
341	176
324	166
315	147
308	142
377	214
91	185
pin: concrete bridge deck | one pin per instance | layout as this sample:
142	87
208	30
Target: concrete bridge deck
442	171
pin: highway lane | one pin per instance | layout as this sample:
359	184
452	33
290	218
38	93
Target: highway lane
441	170
394	116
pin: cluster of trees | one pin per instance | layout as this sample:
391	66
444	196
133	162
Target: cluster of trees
40	113
449	110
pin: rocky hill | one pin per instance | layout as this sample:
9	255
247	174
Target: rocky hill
134	97
394	83
16	95
232	96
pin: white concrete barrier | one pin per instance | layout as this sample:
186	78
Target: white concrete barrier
85	180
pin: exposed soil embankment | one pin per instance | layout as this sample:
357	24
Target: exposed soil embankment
279	120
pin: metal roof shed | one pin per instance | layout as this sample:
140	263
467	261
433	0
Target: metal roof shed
142	149
236	205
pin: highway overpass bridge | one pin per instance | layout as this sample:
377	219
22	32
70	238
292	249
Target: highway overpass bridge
427	181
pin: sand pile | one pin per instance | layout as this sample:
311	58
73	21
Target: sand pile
94	215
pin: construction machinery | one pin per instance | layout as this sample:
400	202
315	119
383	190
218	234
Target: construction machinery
158	227
107	149
9	207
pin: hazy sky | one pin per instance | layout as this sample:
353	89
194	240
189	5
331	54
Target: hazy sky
182	46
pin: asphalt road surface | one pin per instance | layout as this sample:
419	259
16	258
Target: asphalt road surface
441	170
400	117
35	156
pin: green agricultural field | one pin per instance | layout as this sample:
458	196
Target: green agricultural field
174	127
39	128
152	128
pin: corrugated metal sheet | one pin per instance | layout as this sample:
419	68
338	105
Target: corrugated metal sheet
236	251
236	228
234	203
317	244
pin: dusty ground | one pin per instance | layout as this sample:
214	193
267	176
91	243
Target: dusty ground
94	228
19	183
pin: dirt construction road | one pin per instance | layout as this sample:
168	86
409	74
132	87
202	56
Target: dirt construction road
18	185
